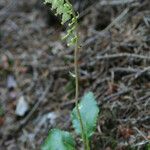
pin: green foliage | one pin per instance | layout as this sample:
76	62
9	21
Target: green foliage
62	140
89	114
84	115
59	140
65	10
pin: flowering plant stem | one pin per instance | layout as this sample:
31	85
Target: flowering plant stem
76	70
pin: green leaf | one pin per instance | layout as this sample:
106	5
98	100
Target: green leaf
58	140
65	18
65	10
89	113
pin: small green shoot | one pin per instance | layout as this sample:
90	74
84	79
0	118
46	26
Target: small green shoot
85	114
62	140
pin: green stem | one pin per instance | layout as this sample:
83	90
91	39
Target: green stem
84	136
77	92
87	143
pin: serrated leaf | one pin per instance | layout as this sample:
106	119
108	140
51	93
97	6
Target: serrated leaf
89	113
65	17
58	140
65	10
54	4
59	10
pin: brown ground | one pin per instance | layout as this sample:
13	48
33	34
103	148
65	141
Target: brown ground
114	64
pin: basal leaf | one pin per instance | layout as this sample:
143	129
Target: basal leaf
89	113
58	140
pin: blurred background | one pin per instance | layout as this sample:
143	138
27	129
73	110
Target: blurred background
37	91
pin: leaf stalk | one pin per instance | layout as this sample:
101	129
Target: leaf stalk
76	70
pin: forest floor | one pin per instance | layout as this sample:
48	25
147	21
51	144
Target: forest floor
37	91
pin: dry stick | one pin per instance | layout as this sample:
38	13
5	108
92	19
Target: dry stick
126	70
115	2
130	55
142	72
102	33
105	3
141	133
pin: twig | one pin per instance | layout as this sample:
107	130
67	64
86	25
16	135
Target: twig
102	33
129	55
140	132
140	143
135	121
142	72
116	2
126	70
110	97
106	3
